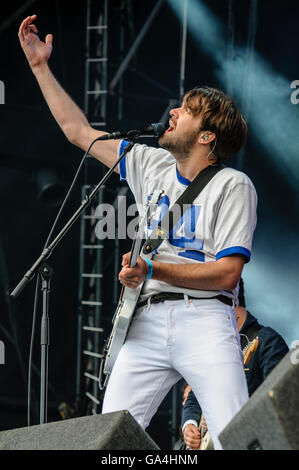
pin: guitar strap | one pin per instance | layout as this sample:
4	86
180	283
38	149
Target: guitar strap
183	203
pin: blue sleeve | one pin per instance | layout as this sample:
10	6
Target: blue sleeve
239	250
122	164
191	409
272	349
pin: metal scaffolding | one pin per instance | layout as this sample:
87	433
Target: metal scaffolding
90	330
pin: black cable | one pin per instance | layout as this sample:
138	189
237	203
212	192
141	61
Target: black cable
67	195
38	278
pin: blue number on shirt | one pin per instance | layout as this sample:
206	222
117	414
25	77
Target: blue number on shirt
183	233
163	207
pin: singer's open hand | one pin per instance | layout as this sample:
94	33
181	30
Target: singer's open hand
132	277
36	51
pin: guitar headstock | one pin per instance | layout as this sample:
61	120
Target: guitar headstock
153	201
250	349
140	229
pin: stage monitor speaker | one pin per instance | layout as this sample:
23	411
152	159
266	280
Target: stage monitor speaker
110	431
270	418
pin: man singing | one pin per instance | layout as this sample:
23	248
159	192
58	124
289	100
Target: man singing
185	323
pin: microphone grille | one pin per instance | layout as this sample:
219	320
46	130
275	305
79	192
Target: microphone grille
159	128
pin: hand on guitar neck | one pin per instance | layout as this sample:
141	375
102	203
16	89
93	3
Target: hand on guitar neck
135	275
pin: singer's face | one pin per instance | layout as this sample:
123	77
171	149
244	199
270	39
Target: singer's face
182	135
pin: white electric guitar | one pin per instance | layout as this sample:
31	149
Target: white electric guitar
128	297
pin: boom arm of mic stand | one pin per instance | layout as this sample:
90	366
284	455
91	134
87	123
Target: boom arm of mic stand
48	251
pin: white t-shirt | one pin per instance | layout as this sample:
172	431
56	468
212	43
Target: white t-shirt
220	222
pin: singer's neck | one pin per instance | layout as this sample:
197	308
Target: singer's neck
189	169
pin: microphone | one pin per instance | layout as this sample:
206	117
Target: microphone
155	129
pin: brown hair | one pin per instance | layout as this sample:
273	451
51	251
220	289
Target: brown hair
219	115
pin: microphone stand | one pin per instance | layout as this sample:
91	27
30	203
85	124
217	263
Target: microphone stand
46	271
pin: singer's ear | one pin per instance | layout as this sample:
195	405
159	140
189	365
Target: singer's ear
206	137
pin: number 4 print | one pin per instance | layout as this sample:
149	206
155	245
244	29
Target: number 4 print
183	235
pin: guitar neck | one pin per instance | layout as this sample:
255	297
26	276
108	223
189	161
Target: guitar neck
135	250
139	232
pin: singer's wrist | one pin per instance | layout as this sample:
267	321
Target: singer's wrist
150	268
40	69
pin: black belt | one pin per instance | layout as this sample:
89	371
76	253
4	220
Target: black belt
155	299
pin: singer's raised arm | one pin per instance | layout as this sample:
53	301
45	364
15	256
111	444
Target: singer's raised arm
68	115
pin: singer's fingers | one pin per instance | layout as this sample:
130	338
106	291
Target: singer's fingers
131	284
126	273
49	39
126	258
22	28
25	26
32	28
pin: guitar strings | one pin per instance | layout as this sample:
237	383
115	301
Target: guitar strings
248	342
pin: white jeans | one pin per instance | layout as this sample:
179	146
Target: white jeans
197	340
